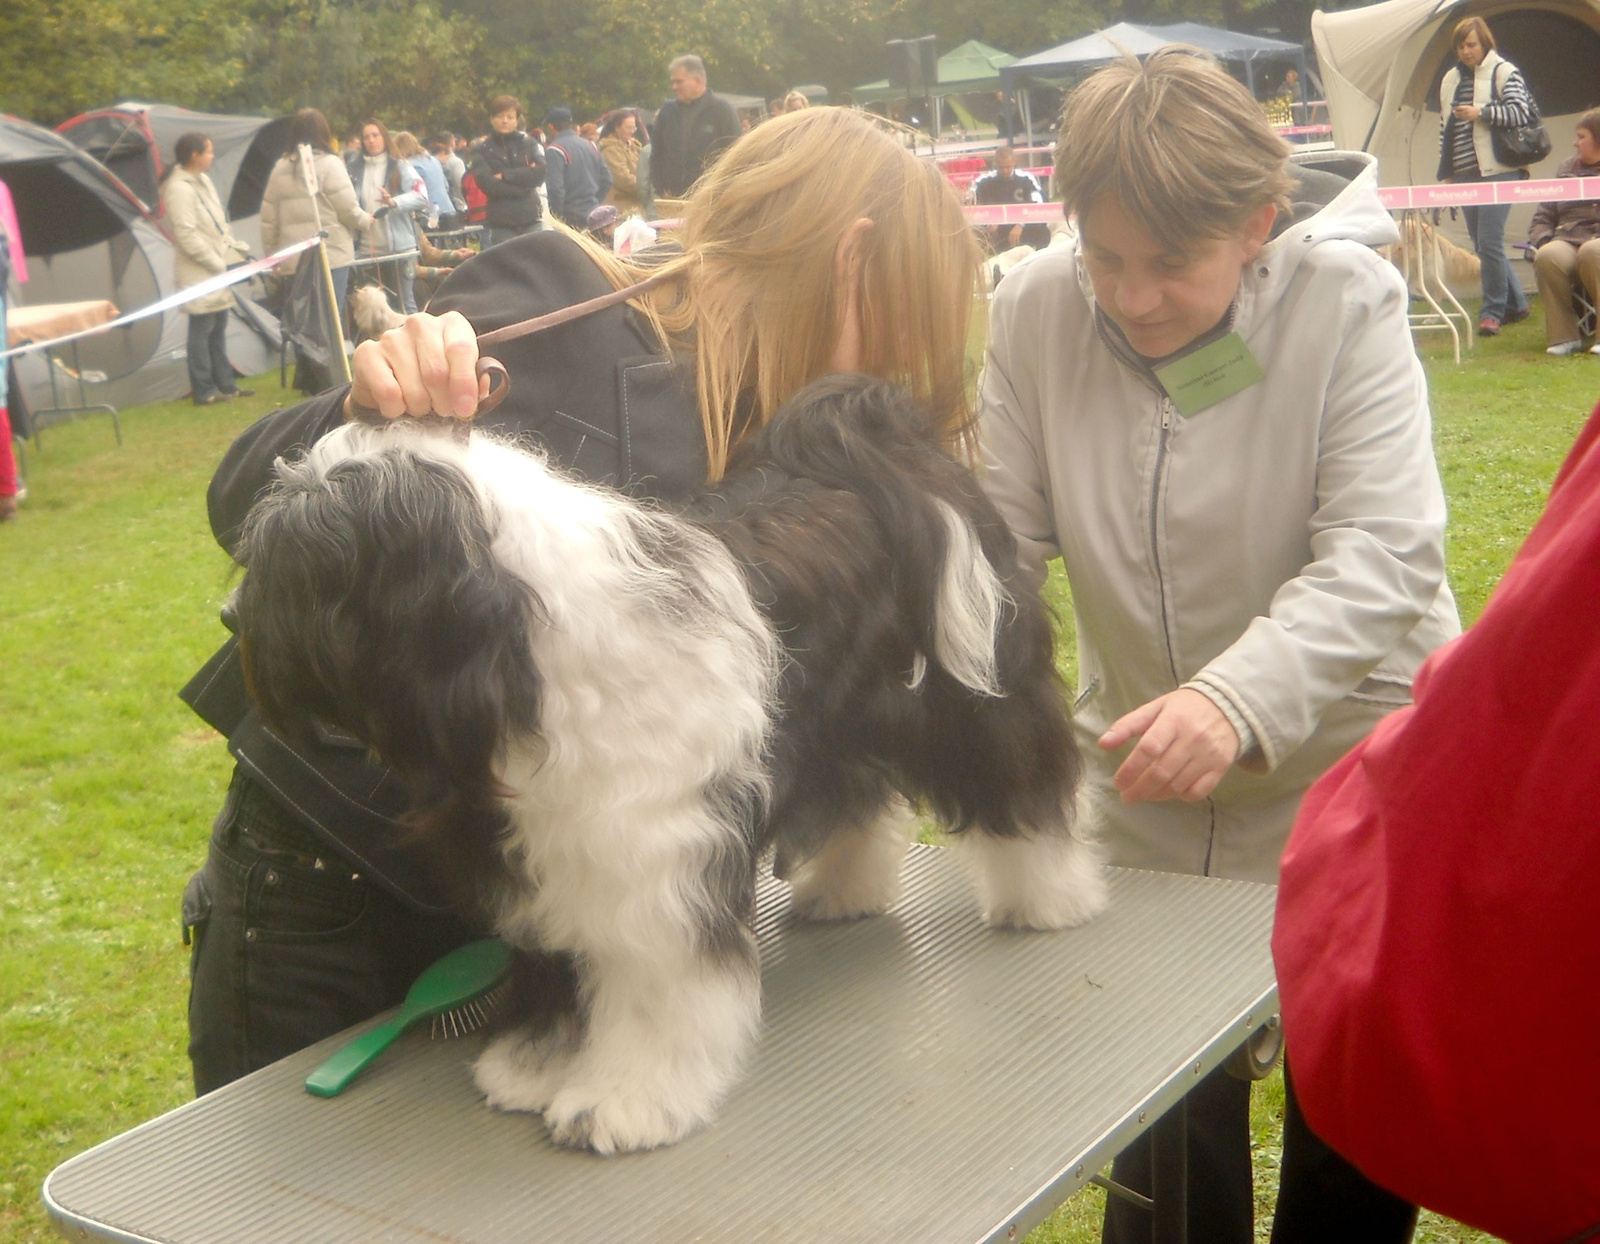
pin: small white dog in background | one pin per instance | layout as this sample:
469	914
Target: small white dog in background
373	314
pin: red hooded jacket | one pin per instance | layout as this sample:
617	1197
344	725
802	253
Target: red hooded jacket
1438	927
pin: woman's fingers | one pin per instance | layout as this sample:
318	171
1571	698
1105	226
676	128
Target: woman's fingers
1131	724
400	352
373	382
460	347
1185	748
427	366
425	337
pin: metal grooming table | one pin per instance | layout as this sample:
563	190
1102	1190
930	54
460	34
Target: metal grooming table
922	1078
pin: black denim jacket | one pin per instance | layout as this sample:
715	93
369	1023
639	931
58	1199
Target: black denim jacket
597	393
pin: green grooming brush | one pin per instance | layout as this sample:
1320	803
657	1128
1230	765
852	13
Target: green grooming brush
460	992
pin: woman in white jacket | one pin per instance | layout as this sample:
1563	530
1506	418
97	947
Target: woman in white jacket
1484	92
1210	408
291	212
203	247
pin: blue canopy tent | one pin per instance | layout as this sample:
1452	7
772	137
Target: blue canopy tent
1064	65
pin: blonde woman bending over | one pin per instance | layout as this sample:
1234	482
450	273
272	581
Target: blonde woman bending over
784	273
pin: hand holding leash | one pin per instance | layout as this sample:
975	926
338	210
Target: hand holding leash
431	366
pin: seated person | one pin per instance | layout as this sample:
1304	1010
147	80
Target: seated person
1006	183
1568	239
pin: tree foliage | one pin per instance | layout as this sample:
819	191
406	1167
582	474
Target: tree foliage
402	60
60	57
429	63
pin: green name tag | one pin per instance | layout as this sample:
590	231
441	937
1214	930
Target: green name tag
1204	378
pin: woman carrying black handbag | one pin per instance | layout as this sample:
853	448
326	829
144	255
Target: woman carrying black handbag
1484	102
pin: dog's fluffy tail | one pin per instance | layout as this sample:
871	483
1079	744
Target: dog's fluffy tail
869	439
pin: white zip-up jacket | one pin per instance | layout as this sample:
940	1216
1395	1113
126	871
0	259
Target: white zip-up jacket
1281	551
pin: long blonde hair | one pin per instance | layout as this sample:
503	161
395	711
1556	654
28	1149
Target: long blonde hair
756	296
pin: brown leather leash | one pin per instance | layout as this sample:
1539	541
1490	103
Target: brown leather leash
500	379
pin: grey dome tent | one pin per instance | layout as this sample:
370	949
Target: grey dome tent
1382	65
87	236
135	141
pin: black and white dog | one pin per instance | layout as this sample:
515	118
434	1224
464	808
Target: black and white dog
649	700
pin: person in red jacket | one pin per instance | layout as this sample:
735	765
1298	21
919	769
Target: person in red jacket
1437	942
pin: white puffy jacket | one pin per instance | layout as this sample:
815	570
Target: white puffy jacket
1282	551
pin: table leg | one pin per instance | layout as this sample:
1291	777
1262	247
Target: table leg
1169	1178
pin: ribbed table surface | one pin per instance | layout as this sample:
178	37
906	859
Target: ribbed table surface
922	1078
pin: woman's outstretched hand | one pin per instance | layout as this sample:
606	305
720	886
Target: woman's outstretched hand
426	367
1185	747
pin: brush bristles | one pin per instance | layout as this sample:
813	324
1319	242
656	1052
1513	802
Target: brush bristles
470	1016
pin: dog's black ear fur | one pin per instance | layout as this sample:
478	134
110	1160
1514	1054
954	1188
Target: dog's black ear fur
866	437
371	602
1007	763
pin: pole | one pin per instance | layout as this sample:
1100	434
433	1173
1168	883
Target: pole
333	305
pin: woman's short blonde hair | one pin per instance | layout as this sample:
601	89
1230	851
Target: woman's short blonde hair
1180	145
757	298
1472	26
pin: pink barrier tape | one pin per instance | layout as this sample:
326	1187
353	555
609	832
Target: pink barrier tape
1395	198
1014	214
962	180
1303	129
1488	193
233	276
980	146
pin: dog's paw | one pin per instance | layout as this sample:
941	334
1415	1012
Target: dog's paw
618	1122
1053	881
817	897
1063	907
857	871
521	1073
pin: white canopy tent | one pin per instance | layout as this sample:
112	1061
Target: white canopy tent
1381	67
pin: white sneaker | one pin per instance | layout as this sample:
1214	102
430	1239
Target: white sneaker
1595	348
1563	348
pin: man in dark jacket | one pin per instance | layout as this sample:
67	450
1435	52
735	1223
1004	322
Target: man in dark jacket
509	168
691	130
1006	183
577	178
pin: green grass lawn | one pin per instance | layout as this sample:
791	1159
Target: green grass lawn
111	585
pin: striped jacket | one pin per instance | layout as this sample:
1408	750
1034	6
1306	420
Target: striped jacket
1504	102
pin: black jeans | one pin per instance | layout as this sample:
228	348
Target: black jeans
209	370
1322	1199
291	944
1220	1193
